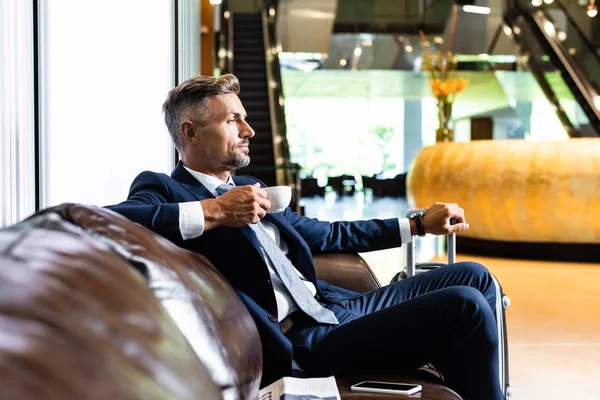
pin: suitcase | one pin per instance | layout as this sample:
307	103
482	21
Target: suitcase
502	301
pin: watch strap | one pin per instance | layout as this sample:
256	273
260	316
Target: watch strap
418	218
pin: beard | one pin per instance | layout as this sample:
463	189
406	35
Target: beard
237	161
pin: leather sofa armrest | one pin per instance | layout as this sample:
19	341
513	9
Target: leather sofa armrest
349	271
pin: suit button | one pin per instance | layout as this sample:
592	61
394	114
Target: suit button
272	318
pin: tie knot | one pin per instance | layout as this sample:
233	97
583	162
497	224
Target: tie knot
223	188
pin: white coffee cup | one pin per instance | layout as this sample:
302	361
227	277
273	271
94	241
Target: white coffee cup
280	197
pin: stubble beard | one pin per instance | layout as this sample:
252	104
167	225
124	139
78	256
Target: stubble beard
237	161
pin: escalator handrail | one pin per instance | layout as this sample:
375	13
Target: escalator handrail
281	152
226	38
586	89
582	35
571	21
535	69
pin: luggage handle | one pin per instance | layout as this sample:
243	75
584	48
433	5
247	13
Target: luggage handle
411	251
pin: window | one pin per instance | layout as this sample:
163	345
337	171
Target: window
105	69
17	143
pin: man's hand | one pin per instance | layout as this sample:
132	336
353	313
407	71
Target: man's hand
240	206
444	218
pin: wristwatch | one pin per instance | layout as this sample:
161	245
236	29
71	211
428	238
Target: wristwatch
418	218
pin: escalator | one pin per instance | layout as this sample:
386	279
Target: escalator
564	63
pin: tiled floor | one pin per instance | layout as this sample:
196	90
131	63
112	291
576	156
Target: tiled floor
554	319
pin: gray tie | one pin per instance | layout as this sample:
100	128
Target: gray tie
298	290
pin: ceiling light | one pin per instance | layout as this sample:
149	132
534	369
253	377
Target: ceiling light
548	1
226	14
367	42
572	51
536	3
549	28
477	9
562	36
272	12
517	30
408	48
484	56
215	2
507	30
357	51
438	40
343	62
592	10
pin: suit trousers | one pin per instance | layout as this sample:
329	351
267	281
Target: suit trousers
444	317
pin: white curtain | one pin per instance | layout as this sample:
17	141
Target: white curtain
105	69
17	144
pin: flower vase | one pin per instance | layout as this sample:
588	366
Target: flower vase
444	133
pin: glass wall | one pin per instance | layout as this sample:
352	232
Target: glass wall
359	122
331	136
105	69
17	125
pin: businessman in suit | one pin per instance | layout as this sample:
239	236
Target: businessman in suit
444	317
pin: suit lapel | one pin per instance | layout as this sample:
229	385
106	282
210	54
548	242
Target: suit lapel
191	184
200	192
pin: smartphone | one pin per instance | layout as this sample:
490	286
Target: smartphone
386	387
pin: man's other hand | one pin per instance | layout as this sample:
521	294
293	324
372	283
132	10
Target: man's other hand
240	206
444	218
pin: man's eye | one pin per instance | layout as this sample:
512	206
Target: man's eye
231	121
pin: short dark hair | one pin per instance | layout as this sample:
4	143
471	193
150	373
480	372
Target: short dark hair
193	93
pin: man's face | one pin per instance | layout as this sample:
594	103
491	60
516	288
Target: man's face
224	138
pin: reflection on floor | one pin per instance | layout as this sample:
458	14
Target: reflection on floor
554	319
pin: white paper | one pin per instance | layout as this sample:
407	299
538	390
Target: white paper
301	389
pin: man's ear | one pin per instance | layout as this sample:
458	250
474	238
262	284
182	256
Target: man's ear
189	131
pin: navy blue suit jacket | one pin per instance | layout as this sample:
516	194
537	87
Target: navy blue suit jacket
153	202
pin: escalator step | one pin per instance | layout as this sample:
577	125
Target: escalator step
250	94
247	16
250	76
247	36
250	67
244	38
256	57
245	50
253	86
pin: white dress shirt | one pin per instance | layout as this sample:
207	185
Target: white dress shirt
191	225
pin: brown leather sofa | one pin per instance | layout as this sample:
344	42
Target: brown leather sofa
93	306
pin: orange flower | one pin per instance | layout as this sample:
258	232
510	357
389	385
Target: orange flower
447	87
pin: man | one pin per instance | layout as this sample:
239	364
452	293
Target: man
444	317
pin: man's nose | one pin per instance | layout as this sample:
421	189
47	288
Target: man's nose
246	131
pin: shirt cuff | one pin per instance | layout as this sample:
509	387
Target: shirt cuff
405	235
191	219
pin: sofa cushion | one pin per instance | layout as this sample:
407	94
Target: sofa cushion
201	302
76	321
349	271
